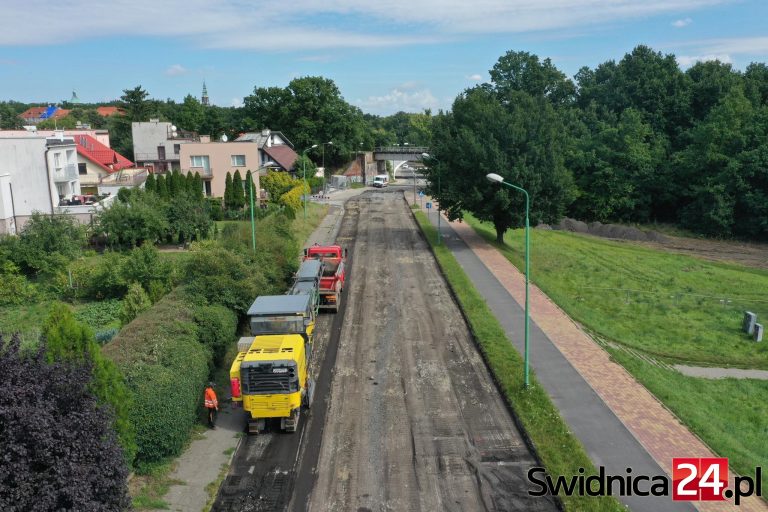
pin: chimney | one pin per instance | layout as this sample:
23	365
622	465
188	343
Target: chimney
205	139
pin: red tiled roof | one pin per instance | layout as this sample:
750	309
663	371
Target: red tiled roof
103	156
60	112
110	111
33	112
283	155
37	112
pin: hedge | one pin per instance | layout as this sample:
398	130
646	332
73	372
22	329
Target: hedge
166	368
217	326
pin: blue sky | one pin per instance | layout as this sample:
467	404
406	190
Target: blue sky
384	56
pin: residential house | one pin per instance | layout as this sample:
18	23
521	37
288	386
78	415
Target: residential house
100	135
35	115
213	160
110	111
274	147
36	173
157	145
95	161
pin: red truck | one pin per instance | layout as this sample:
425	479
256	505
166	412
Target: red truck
334	273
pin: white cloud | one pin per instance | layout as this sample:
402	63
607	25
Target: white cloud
475	78
687	61
397	100
237	102
176	70
682	23
302	24
718	49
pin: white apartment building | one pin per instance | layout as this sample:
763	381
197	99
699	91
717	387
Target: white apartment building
36	173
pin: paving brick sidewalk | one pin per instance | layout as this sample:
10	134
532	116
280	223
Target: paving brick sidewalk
655	427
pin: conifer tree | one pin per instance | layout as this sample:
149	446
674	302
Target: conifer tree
151	184
238	196
228	191
162	187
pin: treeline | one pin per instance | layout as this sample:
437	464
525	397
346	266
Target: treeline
638	140
309	110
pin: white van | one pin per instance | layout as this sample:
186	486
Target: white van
380	180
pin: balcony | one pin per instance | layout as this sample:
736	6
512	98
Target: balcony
65	174
205	172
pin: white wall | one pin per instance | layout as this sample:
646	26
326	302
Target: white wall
25	161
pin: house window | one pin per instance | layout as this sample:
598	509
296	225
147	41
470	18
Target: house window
81	169
161	152
238	160
56	158
176	149
199	161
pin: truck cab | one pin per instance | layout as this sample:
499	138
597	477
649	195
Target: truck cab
283	314
380	180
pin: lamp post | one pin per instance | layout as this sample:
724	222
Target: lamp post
250	194
304	164
439	192
495	178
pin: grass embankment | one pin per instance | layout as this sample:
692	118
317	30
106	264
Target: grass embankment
676	316
560	452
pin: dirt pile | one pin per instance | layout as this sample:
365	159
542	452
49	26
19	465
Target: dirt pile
616	231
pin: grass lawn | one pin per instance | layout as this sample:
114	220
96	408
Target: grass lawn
676	314
301	228
26	319
672	306
560	452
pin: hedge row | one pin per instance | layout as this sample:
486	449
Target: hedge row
292	198
165	355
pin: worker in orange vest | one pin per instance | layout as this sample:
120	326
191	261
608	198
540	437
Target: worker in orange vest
211	404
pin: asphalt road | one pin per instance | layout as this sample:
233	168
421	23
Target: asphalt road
414	420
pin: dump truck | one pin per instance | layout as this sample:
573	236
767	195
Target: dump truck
333	259
270	375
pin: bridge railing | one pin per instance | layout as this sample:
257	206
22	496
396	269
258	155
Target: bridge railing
407	150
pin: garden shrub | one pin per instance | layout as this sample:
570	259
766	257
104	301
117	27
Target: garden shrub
277	183
47	243
101	314
59	452
165	368
292	199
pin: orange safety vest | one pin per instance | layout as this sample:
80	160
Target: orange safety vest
210	399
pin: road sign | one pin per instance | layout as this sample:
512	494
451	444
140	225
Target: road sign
421	193
429	206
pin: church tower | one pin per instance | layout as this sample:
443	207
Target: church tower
204	99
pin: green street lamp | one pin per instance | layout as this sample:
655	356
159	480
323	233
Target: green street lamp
495	178
439	193
250	193
304	164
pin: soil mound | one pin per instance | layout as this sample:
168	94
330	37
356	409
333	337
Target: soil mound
616	231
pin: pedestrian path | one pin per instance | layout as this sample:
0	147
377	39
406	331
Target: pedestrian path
618	421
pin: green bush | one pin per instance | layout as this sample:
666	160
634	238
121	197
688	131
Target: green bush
292	199
47	243
221	276
277	183
129	225
14	287
217	328
146	266
166	369
68	340
136	301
